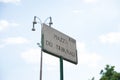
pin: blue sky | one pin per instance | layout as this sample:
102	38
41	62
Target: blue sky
95	24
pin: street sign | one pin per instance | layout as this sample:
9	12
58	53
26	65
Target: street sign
58	44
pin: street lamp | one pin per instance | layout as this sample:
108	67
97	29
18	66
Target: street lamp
34	22
40	45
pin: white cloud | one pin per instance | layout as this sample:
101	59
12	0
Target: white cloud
118	27
32	56
107	11
84	57
90	1
77	11
15	40
2	45
101	12
112	37
87	58
4	24
10	1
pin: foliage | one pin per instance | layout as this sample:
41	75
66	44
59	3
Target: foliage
109	73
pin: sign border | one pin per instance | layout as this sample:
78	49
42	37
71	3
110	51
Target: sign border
46	51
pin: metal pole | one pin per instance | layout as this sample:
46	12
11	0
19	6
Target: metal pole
40	59
41	54
61	69
41	66
33	29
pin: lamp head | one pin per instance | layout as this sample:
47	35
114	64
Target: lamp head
50	23
33	29
34	22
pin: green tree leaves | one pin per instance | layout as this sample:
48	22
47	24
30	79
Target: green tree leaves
109	73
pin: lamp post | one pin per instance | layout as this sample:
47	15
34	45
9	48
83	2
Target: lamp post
40	45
